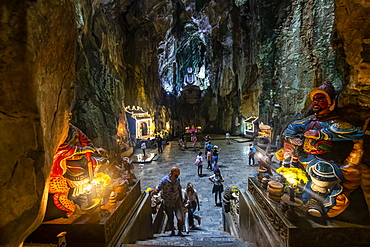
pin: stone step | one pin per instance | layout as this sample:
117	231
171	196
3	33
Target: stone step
194	238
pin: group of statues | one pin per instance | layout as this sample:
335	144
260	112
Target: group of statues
82	178
330	150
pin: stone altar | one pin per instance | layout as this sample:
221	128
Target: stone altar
122	225
263	222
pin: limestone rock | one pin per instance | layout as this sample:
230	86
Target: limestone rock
37	72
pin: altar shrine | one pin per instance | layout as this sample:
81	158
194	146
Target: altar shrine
140	122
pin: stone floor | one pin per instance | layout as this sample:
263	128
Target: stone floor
233	161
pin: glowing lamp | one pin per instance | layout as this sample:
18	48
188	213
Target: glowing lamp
88	188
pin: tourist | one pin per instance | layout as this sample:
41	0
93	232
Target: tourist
172	199
218	188
181	144
215	153
159	142
227	137
194	141
185	208
207	138
251	153
209	146
209	159
143	147
192	200
199	163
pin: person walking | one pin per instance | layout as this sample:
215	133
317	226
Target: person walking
185	207
215	153
228	137
194	140
209	159
199	163
181	144
159	141
218	187
207	138
143	147
192	200
252	152
171	194
209	146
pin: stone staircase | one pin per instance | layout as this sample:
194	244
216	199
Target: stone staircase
199	237
210	233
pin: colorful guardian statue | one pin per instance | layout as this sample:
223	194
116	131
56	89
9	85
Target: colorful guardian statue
73	170
331	157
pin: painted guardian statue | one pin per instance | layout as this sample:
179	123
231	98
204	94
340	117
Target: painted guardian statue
330	154
74	168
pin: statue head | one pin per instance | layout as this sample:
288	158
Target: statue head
190	70
323	98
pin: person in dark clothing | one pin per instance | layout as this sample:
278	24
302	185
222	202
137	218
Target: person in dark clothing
252	152
159	142
171	193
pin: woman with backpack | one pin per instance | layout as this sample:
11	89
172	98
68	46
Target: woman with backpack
199	163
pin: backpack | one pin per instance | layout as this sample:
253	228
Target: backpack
197	162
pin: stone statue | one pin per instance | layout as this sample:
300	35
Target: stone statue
189	78
73	170
331	156
125	171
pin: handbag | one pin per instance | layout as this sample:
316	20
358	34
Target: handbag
197	162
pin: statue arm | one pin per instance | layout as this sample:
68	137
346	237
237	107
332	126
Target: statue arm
340	131
293	132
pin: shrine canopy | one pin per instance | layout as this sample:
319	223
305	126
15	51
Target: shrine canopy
250	126
140	122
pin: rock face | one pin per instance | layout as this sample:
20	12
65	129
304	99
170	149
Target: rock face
251	58
38	41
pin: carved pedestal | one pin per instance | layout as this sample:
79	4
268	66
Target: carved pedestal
263	222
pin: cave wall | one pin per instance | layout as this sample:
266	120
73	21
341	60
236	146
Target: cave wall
295	55
38	43
116	67
99	89
351	40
